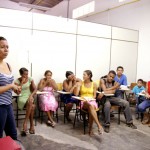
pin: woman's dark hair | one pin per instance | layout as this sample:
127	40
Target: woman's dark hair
89	73
46	72
113	72
140	80
22	70
68	73
2	38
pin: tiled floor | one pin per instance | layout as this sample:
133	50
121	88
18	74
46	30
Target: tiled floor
65	137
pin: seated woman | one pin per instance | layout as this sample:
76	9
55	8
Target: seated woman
88	89
68	86
145	104
47	102
26	99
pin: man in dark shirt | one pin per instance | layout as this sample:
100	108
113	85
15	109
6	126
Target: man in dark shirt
109	86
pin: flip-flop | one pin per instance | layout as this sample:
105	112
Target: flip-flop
52	124
32	131
100	131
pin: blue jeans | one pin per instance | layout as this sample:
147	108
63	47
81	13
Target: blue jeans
144	105
7	121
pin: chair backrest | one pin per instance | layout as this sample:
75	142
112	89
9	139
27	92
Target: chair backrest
144	83
132	85
60	86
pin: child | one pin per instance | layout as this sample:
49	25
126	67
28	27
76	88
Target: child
139	88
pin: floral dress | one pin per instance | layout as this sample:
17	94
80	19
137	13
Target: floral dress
47	101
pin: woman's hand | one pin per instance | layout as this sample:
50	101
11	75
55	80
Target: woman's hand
17	89
48	82
30	99
23	80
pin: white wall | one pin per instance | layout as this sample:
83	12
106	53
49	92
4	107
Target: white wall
134	16
61	44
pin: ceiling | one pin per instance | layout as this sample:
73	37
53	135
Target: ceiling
44	3
63	8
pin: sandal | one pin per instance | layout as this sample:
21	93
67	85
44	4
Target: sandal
52	124
91	133
100	131
32	131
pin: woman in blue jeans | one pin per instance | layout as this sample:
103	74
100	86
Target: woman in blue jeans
7	121
145	104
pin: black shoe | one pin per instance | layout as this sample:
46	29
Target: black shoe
131	125
112	115
23	133
106	129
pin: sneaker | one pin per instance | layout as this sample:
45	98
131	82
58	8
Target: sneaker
131	125
106	129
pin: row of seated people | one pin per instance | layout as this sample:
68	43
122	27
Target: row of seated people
77	87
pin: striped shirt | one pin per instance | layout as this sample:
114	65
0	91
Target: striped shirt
6	97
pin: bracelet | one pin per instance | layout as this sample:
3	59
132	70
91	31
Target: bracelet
103	92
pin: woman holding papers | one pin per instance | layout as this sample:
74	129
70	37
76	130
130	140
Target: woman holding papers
47	101
87	90
26	99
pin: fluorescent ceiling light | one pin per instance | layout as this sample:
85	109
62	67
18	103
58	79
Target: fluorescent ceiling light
34	6
121	0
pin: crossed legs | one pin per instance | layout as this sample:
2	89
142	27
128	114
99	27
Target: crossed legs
92	117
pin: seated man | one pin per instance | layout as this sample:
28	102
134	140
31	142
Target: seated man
109	86
121	79
145	104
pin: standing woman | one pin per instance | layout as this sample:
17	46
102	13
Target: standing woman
47	102
88	89
7	121
26	99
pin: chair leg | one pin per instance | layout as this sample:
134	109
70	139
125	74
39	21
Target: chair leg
119	111
57	115
75	118
64	113
41	117
84	119
17	115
